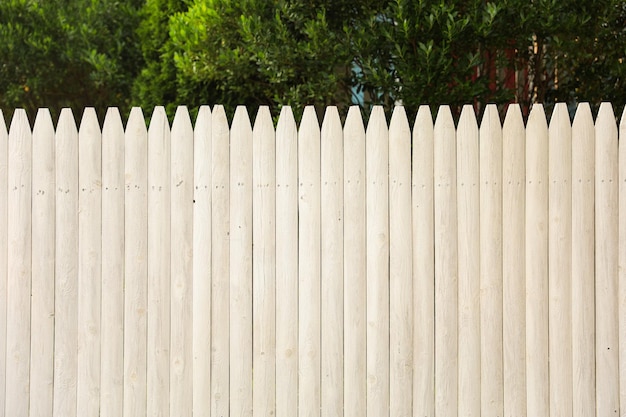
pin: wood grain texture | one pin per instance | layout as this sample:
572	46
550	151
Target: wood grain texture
468	212
537	365
43	246
354	266
377	197
491	359
309	266
583	260
560	266
423	220
66	267
400	267
622	260
513	262
4	148
136	264
19	268
606	217
89	264
286	265
112	353
241	264
264	264
332	220
202	279
446	264
159	265
181	264
220	264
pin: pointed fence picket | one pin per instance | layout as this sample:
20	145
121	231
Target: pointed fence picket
354	272
18	342
158	323
513	263
446	266
287	252
42	289
606	264
112	325
583	305
377	263
423	232
468	273
220	263
201	276
536	268
4	138
309	268
332	220
320	270
491	285
137	248
240	239
66	266
264	265
89	264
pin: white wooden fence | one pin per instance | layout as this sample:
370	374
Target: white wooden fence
342	271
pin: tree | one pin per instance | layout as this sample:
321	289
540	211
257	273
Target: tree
415	52
62	53
260	52
477	52
157	83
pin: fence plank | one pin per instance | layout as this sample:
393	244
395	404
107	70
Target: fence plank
423	265
89	263
354	248
159	265
241	264
538	389
560	267
622	259
332	218
513	262
220	266
4	142
607	353
181	253
112	373
202	264
446	262
377	197
19	266
309	265
400	266
136	252
286	265
583	308
42	301
66	267
491	360
264	264
468	200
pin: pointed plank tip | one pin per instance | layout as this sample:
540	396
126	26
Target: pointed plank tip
582	115
513	117
444	117
241	118
309	116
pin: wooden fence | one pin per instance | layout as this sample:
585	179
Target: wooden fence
343	271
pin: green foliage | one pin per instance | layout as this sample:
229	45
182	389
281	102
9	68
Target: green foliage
259	52
157	83
61	53
77	53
